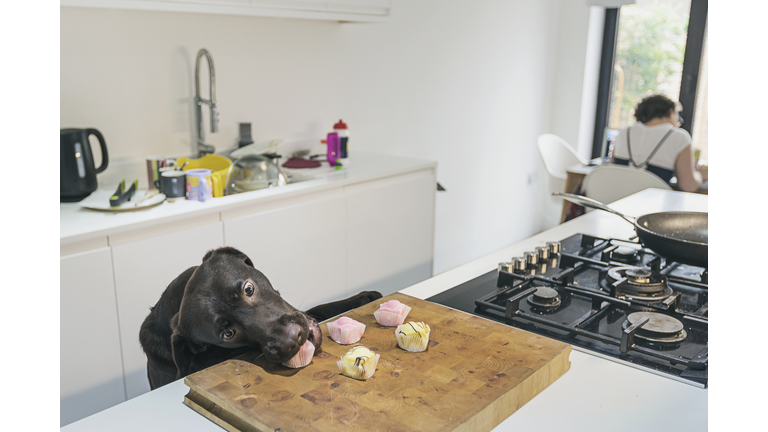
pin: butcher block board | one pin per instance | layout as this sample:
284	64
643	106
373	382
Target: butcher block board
474	374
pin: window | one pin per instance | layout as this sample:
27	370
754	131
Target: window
649	56
652	47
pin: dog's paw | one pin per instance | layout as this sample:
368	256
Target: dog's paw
366	297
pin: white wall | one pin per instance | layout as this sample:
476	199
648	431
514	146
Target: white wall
470	84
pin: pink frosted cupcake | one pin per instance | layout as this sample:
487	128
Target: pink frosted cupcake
391	313
346	330
303	357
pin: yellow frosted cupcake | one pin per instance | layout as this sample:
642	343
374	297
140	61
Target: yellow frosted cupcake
358	363
413	336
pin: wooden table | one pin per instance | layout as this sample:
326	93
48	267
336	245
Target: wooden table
575	176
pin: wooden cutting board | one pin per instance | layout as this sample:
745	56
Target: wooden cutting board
473	375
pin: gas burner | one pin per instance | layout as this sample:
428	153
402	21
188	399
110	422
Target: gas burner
624	253
660	329
642	284
544	300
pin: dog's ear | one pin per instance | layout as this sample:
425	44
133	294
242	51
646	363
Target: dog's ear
182	349
229	251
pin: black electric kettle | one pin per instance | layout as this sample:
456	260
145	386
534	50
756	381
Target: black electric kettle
77	178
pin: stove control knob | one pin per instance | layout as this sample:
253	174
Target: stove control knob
531	259
542	252
504	266
517	263
554	248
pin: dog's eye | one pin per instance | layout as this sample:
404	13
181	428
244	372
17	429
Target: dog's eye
248	288
228	334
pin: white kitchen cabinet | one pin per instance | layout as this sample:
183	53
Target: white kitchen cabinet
390	232
298	244
330	10
90	362
359	7
367	228
144	264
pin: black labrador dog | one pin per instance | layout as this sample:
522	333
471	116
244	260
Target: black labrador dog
224	308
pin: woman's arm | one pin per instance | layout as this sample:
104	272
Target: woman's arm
688	179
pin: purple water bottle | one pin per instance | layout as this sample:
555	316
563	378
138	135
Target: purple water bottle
333	148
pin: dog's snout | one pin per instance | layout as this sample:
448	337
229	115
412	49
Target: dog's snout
295	332
288	345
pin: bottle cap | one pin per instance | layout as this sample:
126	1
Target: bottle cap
340	125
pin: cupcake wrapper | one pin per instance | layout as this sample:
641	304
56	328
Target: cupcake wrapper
411	343
303	357
346	335
358	372
391	319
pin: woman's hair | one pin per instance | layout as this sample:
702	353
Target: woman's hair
653	106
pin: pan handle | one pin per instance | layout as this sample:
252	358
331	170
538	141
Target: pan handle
589	202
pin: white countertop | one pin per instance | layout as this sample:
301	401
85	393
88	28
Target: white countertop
594	395
77	223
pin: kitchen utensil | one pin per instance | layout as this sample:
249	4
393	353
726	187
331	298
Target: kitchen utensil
172	183
245	135
473	375
254	172
99	200
219	166
122	195
155	164
679	236
77	173
296	163
149	194
256	148
199	184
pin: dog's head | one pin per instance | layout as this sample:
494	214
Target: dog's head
227	302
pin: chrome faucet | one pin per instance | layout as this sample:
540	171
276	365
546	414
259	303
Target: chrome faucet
203	147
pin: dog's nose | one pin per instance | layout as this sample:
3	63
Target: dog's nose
291	343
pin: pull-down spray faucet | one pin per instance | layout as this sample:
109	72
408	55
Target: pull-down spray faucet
203	147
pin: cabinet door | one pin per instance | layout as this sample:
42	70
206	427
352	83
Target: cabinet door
298	246
90	363
143	269
390	231
363	7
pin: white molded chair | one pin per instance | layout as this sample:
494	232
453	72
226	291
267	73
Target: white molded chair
557	155
609	183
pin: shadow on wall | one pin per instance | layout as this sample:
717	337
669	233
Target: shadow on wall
79	405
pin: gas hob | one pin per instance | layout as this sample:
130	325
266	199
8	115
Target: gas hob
609	297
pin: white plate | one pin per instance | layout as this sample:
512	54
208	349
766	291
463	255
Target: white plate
99	200
256	148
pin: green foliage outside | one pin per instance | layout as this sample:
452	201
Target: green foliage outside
650	51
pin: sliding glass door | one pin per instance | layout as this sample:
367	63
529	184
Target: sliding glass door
652	47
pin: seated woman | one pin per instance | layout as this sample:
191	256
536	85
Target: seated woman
657	144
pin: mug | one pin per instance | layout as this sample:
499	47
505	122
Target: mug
199	184
172	183
154	164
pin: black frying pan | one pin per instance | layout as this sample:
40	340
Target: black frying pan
679	236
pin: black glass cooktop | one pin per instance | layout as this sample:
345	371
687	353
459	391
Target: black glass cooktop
609	297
